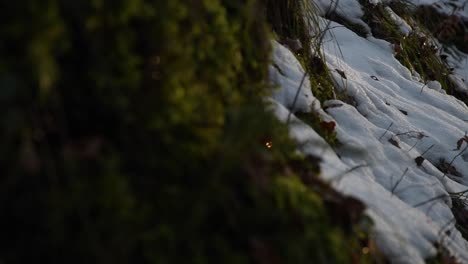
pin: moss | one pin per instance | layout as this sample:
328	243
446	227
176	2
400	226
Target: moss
415	52
448	29
460	212
326	131
294	19
357	28
136	131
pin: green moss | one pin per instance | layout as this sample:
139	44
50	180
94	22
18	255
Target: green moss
413	51
136	132
294	19
448	29
320	127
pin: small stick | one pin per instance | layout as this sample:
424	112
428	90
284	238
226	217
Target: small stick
399	180
430	200
391	124
295	98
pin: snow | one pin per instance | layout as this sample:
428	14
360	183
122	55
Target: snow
447	7
349	9
405	29
397	119
459	62
286	75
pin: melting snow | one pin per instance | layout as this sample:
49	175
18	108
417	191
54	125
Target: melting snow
393	124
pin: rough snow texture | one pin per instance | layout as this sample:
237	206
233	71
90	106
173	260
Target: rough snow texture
459	62
287	75
447	7
405	29
392	124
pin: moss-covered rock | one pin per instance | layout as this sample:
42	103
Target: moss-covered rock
135	131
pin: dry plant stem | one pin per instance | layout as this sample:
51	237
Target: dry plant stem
422	88
430	200
295	97
459	194
333	7
421	185
340	177
454	158
414	145
427	150
399	181
386	130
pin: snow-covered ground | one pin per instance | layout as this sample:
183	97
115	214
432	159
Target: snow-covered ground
383	138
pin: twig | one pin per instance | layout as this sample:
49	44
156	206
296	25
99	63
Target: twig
412	147
420	185
459	193
340	177
386	130
430	200
422	88
295	97
427	150
399	181
454	158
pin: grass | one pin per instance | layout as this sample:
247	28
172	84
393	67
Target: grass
415	51
296	19
450	30
321	127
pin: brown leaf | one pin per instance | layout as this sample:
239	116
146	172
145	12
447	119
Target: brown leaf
342	73
394	142
403	112
328	126
419	160
459	143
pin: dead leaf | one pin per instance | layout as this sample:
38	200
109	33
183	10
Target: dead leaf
394	142
342	73
447	168
460	142
419	160
403	112
328	126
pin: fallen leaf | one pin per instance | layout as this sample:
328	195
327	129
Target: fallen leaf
342	73
403	111
459	143
419	160
328	126
394	142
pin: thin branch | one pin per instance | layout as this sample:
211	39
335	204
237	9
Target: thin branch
427	150
399	181
422	88
341	176
295	97
412	147
430	200
386	130
454	158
